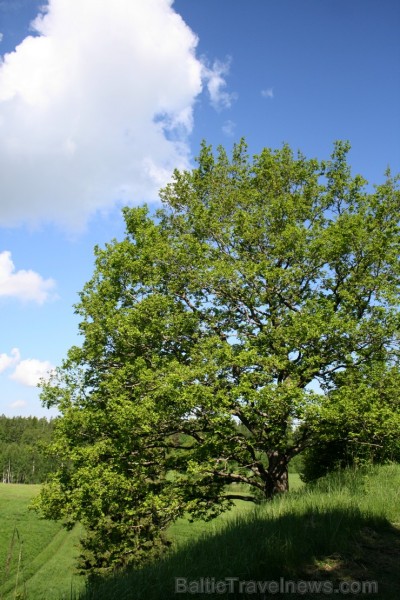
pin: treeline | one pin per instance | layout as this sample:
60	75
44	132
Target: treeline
23	442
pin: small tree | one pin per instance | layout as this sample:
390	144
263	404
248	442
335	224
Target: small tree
205	334
360	421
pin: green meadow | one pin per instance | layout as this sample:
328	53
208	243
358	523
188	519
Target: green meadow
344	530
36	556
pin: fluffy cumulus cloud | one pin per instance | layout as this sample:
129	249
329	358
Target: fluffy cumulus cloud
31	371
9	360
96	106
22	284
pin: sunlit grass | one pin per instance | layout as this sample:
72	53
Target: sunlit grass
37	557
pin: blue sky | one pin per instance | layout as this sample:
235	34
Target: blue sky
99	101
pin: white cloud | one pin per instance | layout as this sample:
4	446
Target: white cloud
1	37
228	128
30	371
96	108
216	83
268	93
24	285
9	360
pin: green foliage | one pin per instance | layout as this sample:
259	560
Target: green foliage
204	333
360	422
23	455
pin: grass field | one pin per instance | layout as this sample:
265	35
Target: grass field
346	528
36	556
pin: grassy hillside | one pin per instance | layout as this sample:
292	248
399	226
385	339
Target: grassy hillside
344	529
36	556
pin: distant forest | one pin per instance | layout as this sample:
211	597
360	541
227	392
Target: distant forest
23	442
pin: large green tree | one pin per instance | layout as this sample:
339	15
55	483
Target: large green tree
215	337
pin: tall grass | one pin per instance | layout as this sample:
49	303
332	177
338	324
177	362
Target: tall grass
317	531
13	565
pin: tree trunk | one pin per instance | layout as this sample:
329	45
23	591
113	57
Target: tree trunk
277	481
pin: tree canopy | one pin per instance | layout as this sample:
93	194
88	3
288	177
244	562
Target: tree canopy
219	337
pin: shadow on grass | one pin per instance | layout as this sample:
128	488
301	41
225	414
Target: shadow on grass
336	546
